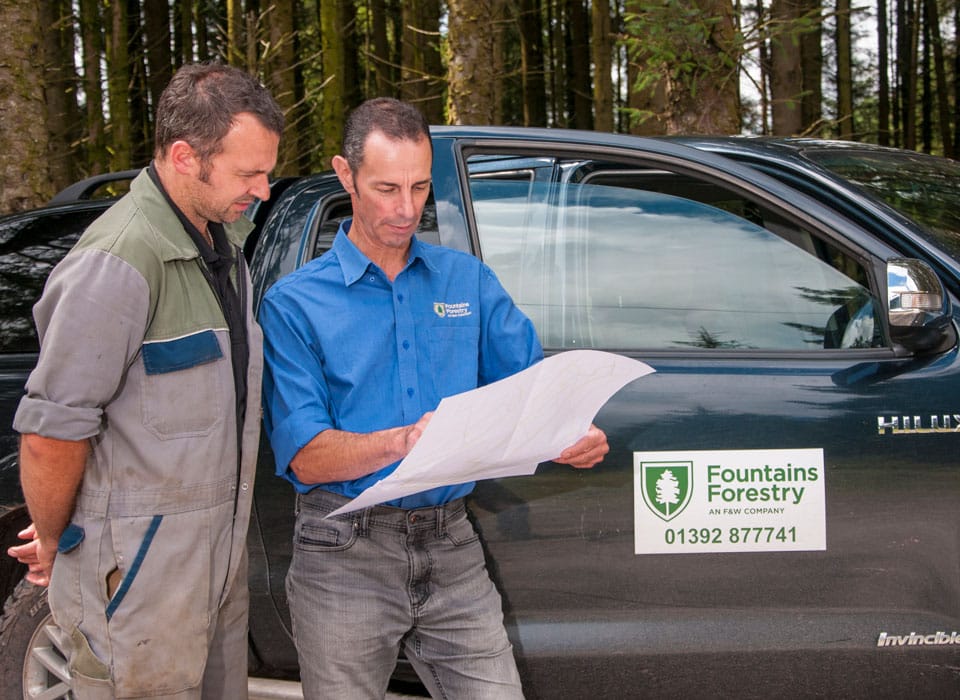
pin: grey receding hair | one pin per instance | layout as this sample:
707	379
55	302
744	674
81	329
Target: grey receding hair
202	100
398	120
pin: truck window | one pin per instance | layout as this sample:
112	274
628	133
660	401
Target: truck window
603	256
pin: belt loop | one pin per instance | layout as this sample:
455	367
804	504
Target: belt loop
441	513
296	506
362	522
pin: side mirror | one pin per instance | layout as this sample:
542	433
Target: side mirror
919	310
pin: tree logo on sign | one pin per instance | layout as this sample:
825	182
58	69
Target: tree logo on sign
667	487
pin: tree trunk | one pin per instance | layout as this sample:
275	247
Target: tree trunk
141	120
159	64
347	17
647	104
811	58
156	35
785	90
579	89
422	65
795	61
235	53
907	39
334	62
844	71
381	62
883	60
118	86
555	64
926	83
943	100
531	63
204	52
471	77
602	49
183	32
707	100
91	22
498	19
60	90
956	78
24	181
763	78
395	30
688	55
280	69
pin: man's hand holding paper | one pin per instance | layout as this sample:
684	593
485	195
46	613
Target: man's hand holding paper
509	427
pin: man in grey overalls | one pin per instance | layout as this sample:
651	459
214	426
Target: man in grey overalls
140	424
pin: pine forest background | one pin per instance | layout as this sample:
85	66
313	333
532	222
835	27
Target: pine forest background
79	78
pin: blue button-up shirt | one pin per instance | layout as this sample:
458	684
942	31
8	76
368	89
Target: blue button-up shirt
347	349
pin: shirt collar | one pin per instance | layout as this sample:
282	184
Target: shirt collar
160	215
354	263
211	255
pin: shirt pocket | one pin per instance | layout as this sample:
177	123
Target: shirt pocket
454	356
183	389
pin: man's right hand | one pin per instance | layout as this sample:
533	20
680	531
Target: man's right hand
37	557
338	455
413	432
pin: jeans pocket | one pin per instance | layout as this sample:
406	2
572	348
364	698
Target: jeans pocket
317	535
459	531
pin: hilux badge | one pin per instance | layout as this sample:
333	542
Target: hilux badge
667	487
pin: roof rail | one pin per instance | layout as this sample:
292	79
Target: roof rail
85	188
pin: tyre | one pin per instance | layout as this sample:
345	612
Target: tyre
33	650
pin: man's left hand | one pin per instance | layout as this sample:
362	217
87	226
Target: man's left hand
587	451
39	559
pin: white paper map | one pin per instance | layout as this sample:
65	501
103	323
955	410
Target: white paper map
509	427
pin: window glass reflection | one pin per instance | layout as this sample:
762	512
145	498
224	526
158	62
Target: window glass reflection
640	266
30	247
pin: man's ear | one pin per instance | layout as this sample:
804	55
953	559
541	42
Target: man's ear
342	169
183	158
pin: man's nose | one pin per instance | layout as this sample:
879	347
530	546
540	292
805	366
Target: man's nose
406	206
261	187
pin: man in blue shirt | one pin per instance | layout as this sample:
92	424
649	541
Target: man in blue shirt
360	346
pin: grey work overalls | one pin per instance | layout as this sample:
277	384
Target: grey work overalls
150	582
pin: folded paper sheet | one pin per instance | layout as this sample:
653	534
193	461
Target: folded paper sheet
509	427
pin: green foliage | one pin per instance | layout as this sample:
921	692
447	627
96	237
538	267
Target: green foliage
685	60
676	42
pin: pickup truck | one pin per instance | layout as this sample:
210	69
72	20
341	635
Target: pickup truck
779	513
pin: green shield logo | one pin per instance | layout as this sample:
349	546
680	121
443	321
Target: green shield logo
440	309
666	487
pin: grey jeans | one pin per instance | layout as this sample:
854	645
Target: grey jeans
362	584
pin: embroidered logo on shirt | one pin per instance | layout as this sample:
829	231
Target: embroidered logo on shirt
458	310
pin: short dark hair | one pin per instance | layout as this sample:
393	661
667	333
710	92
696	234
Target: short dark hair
398	120
200	103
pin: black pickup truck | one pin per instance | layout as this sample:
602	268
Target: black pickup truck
779	513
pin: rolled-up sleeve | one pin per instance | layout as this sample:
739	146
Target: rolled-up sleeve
91	320
295	394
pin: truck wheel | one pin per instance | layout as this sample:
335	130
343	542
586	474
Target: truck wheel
33	650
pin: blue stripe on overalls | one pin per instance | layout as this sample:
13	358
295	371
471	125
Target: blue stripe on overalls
137	562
